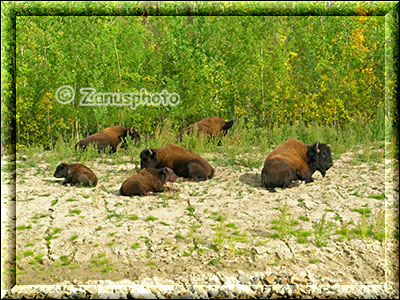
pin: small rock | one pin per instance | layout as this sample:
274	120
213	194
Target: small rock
244	279
276	288
274	296
297	278
270	279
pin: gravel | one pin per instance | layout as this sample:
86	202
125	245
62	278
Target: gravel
298	286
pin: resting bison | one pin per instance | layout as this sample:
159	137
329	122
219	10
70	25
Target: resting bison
147	180
293	161
183	162
211	126
76	174
109	137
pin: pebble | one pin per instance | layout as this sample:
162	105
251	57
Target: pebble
271	285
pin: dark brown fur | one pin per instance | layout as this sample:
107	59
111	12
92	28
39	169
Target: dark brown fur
147	180
292	161
183	162
211	126
76	174
109	137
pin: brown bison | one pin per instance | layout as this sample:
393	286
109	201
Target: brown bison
109	137
183	162
292	161
211	126
147	180
76	174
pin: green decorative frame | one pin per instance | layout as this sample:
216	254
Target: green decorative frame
10	10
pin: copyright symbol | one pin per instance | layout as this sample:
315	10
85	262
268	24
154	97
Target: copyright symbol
65	94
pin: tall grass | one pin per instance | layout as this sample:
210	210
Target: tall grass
244	144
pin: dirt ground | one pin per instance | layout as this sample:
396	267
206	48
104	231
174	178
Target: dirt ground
228	223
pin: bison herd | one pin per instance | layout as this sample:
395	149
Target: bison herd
284	167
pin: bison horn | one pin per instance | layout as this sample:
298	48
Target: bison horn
317	147
151	152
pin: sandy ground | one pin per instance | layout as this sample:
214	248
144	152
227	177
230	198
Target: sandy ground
225	224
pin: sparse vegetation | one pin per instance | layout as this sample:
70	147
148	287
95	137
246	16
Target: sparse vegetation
322	231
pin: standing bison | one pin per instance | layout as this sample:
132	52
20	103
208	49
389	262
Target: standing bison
109	137
293	161
211	126
183	162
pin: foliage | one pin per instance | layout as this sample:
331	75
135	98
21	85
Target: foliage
265	71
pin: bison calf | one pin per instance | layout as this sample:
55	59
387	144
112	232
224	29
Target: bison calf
109	137
183	162
293	160
211	126
76	174
147	180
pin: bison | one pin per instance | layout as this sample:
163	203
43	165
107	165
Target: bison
292	161
76	174
109	137
183	162
211	126
147	180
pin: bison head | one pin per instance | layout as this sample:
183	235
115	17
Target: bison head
227	126
134	134
165	174
319	158
148	159
61	171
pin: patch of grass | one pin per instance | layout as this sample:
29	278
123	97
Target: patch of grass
377	196
23	227
314	260
44	195
344	232
151	264
231	225
73	238
65	260
214	261
75	211
284	224
135	246
114	215
110	244
71	200
39	216
150	218
54	202
28	253
305	219
179	236
39	256
133	217
302	240
378	225
322	231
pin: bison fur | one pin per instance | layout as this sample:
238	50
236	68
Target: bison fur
292	161
147	180
109	137
183	162
76	174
